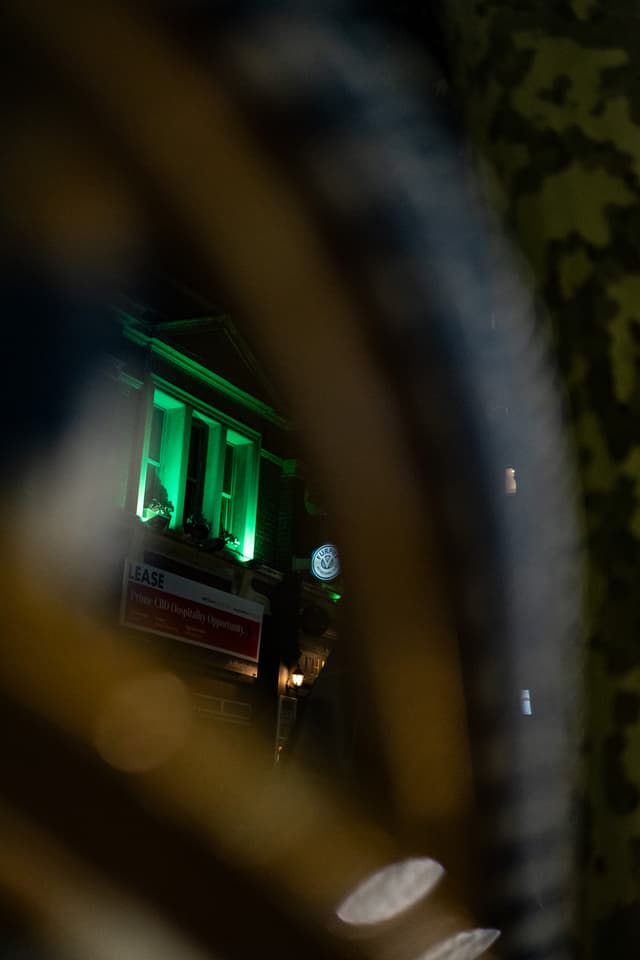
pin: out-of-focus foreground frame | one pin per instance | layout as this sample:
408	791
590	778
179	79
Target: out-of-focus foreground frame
100	804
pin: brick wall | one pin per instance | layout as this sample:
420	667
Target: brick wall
268	511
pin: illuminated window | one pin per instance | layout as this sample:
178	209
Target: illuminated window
160	479
237	483
228	487
196	468
202	464
153	486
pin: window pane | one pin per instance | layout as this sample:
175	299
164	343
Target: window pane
225	515
229	458
196	468
154	489
226	505
157	426
197	448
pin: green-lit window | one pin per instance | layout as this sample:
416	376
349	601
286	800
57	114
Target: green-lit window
196	468
227	493
238	490
153	486
200	465
161	482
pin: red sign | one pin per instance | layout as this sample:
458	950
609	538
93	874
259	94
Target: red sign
173	606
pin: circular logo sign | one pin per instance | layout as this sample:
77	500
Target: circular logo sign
325	563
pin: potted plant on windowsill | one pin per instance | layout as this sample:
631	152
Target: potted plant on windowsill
157	513
230	541
223	540
197	527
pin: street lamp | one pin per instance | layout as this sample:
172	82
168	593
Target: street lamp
297	676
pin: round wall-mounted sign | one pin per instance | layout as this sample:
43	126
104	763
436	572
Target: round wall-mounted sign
325	563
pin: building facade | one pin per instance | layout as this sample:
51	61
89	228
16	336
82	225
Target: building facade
219	524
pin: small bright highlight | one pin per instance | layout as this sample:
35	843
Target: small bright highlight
390	891
463	946
525	702
510	484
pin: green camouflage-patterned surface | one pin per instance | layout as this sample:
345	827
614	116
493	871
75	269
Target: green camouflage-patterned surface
551	95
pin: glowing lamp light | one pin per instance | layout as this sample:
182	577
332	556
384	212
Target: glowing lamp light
297	676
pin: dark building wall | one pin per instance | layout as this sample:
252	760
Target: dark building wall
268	509
279	494
290	492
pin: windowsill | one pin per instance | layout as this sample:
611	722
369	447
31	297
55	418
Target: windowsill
178	544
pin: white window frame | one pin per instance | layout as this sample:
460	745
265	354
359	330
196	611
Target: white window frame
180	407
